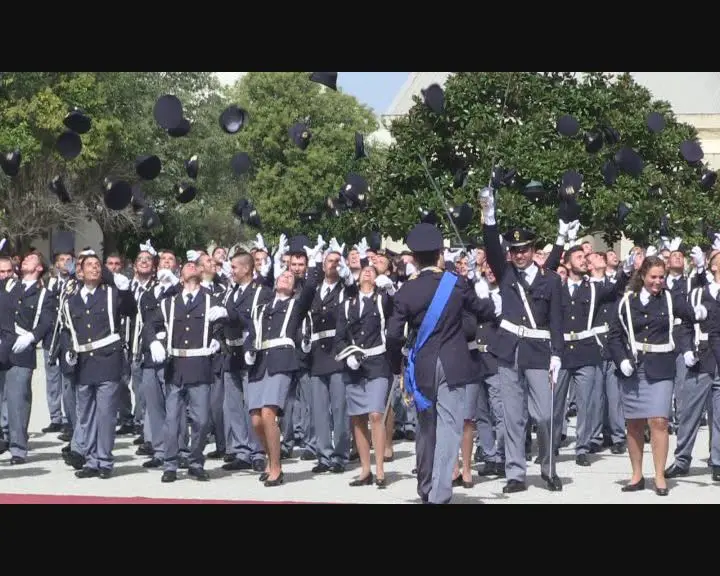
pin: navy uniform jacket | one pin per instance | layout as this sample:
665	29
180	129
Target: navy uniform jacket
91	322
7	327
148	309
366	331
281	359
545	300
447	342
323	317
144	298
55	285
607	310
486	339
188	330
698	335
217	290
684	285
24	307
237	326
651	325
64	344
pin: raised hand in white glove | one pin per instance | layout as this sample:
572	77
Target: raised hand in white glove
629	263
383	282
217	312
311	254
452	255
651	251
192	255
148	247
214	346
335	247
121	282
698	257
410	269
265	266
482	289
157	352
701	313
554	370
226	269
250	358
573	230
362	248
70	358
563	229
716	242
165	276
626	368
259	243
486	198
665	242
22	343
690	359
352	363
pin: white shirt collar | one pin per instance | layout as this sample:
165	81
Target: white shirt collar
530	273
186	292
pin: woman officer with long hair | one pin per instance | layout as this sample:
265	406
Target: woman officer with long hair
641	344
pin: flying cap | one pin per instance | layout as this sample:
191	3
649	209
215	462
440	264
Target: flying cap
77	121
69	145
138	201
462	215
655	122
182	129
328	79
594	141
168	112
149	219
233	119
629	161
355	189
691	151
10	163
434	98
359	146
623	210
241	163
57	187
191	167
148	167
708	179
118	194
567	126
300	135
571	184
609	173
185	192
428	217
424	237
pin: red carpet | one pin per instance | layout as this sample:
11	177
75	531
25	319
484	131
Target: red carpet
65	499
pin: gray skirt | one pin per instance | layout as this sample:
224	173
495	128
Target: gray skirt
269	391
366	396
472	395
643	398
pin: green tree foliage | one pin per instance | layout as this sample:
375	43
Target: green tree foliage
522	135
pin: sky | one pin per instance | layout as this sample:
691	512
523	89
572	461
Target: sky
376	89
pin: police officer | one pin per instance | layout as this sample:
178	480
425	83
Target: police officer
95	346
529	346
439	363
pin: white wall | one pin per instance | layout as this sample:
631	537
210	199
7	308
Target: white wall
88	233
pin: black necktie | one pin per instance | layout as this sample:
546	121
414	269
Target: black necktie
189	300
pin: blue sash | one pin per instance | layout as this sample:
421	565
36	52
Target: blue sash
432	317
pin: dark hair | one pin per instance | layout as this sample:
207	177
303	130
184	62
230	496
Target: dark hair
90	257
302	255
246	257
570	251
425	259
638	278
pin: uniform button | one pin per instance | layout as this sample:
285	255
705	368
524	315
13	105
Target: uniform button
572	317
89	326
187	328
87	311
645	339
362	333
188	316
646	315
572	347
524	318
186	342
92	353
572	302
89	339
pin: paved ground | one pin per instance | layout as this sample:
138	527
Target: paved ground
45	478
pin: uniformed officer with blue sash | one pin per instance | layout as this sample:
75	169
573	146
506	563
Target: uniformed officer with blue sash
438	362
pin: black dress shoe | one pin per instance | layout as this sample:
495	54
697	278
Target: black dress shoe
618	448
286	453
139	441
168	476
321	469
661	491
639	485
487	469
410	435
145	450
308	456
54	427
337	468
229	458
125	430
457	481
87	473
279	480
380	483
17	460
183	463
216	454
65	449
554	484
153	463
105	473
199	474
716	473
595	448
367	481
398	435
237	464
65	436
354	456
582	460
414	471
514	486
259	465
76	460
389	458
674	471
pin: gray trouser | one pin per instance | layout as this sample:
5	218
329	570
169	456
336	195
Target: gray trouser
333	440
438	439
136	378
588	399
196	398
153	391
697	392
4	414
77	442
680	374
217	420
297	420
18	395
405	416
240	438
97	412
491	421
3	408
125	413
53	389
613	422
528	393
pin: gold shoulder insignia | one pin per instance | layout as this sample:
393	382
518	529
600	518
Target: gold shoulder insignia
415	275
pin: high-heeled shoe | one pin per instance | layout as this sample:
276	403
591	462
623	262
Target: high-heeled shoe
367	481
264	476
279	480
458	481
639	485
661	491
467	485
380	483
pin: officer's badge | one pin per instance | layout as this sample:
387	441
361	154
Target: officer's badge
516	235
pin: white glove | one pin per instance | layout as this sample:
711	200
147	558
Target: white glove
472	260
405	351
701	313
482	289
344	270
486	197
2	243
626	368
335	247
690	359
165	276
265	266
283	248
562	230
352	363
362	248
452	255
214	346
675	244
148	247
259	243
572	231
250	358
651	251
555	365
629	264
312	255
217	312
410	269
697	257
665	242
226	269
22	343
716	242
383	282
121	282
192	255
157	352
70	358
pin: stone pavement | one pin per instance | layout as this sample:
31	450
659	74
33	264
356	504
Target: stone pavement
46	474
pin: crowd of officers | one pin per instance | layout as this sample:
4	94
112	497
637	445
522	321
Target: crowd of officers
271	354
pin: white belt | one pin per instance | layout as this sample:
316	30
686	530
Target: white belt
654	348
366	352
190	352
479	347
276	343
237	341
92	346
322	335
584	335
524	332
677	322
604	329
